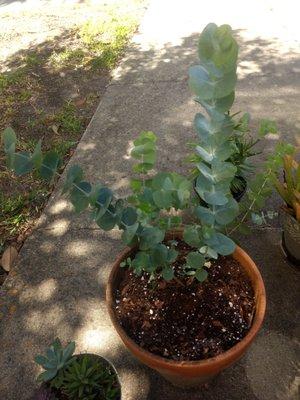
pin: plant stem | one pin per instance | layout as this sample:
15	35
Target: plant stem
252	203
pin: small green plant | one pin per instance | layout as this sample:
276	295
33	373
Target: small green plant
289	189
55	359
81	377
68	120
87	378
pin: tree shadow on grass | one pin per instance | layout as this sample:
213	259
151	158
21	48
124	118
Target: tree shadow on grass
58	286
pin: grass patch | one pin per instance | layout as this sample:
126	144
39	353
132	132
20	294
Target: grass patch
67	58
67	119
101	41
11	78
32	60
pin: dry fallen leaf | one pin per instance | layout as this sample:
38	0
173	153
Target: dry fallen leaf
80	102
55	129
8	258
13	292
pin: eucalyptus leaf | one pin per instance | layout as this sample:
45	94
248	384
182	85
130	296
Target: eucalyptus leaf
222	104
160	254
205	214
150	237
168	273
129	233
23	163
195	260
108	220
221	244
208	86
74	175
227	213
37	156
129	216
79	195
217	48
191	236
201	274
49	165
214	194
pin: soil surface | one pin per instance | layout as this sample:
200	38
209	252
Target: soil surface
184	319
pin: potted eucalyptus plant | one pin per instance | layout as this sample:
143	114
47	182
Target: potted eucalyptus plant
184	298
69	376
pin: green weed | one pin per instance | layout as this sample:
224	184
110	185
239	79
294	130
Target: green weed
67	119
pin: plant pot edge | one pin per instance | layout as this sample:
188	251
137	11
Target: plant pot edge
289	242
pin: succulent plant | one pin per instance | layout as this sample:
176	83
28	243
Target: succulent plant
87	378
55	359
289	189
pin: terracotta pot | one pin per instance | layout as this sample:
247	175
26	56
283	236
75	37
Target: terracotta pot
190	373
45	392
291	239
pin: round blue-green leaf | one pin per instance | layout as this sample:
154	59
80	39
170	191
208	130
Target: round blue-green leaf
201	274
191	236
160	254
207	86
150	236
22	163
227	213
205	215
74	175
163	199
167	273
49	165
79	195
129	233
222	104
129	216
221	244
108	220
172	255
195	260
214	194
217	47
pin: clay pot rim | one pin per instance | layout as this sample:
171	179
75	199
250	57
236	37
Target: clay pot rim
221	359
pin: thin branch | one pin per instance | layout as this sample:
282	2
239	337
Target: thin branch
252	204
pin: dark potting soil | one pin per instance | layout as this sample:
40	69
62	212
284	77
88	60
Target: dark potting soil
184	319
